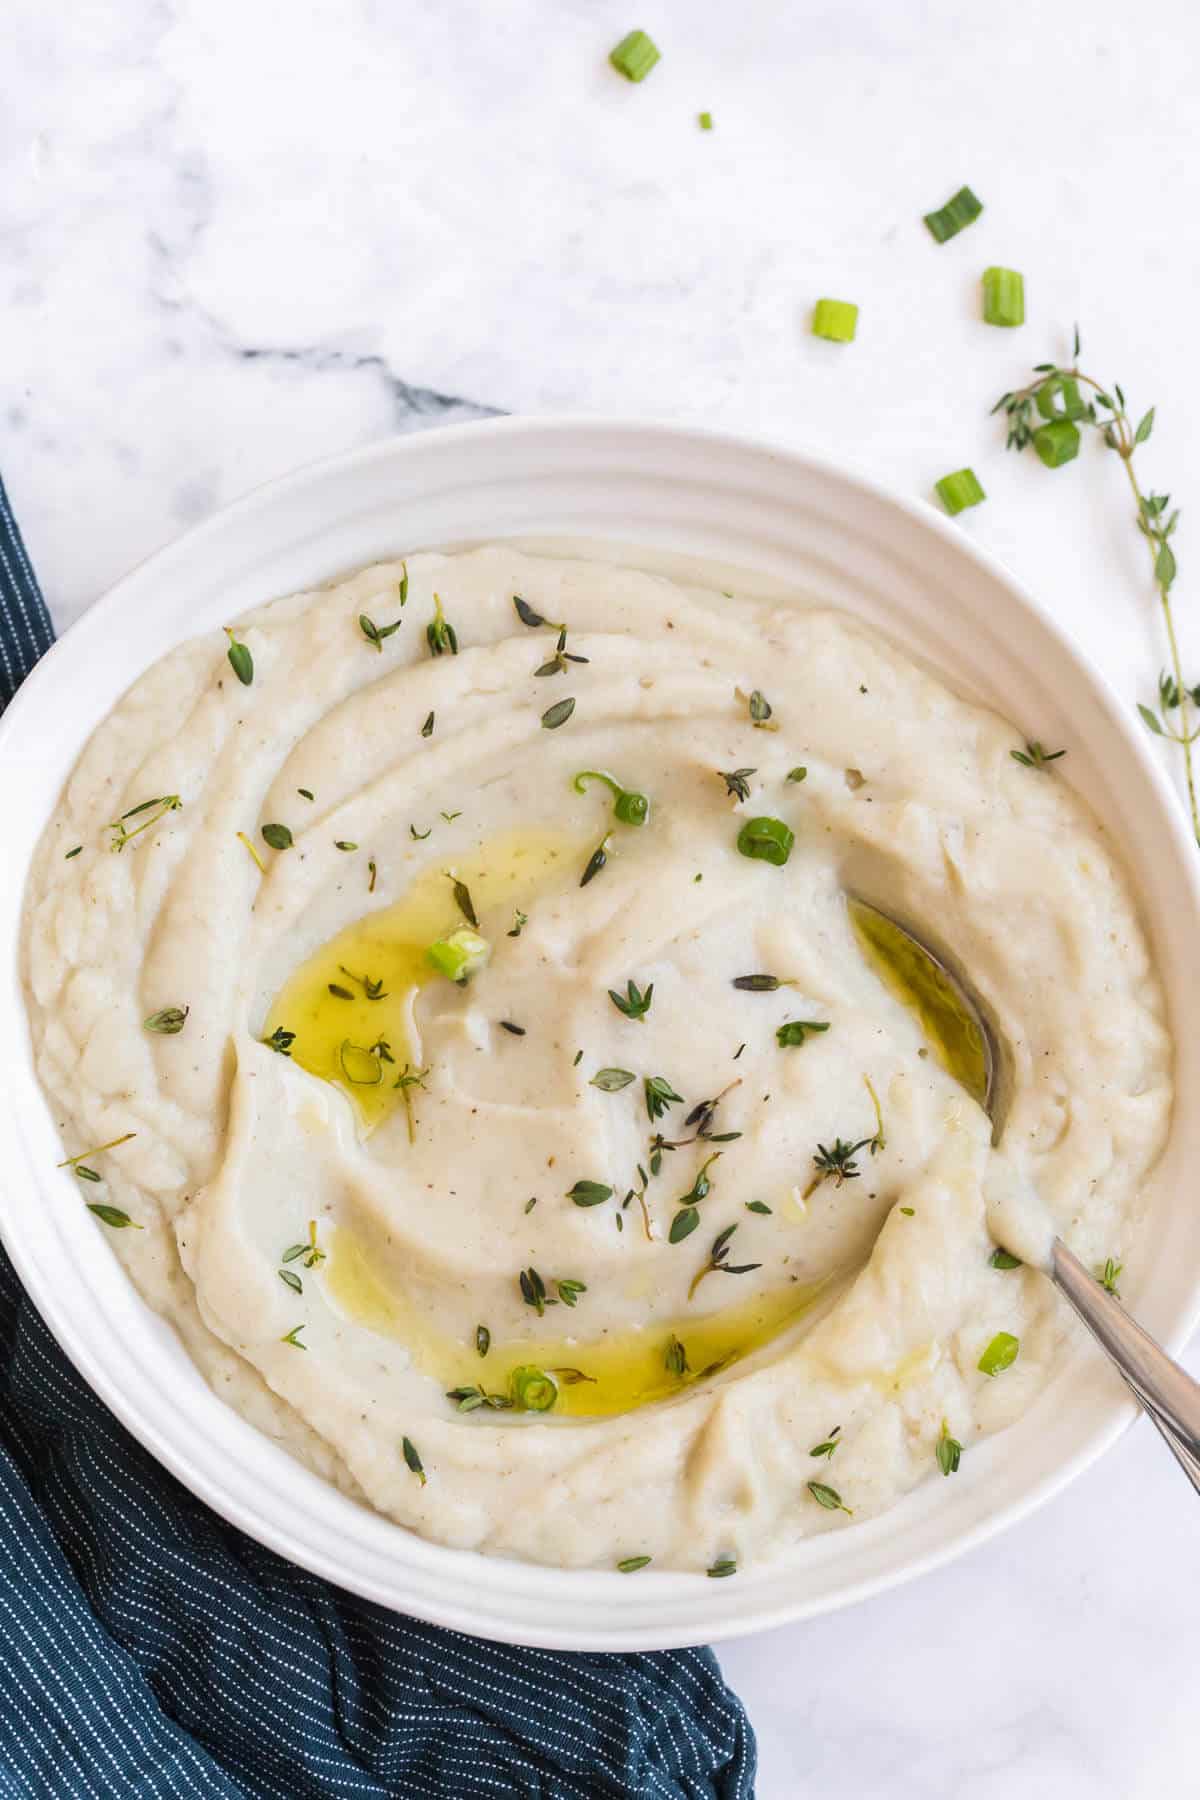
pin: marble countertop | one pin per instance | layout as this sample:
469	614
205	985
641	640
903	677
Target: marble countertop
230	247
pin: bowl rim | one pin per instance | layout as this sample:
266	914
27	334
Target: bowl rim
237	1500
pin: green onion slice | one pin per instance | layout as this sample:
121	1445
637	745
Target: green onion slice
1003	297
959	211
634	56
958	491
836	320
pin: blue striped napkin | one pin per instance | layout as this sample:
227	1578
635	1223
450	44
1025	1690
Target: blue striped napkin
148	1649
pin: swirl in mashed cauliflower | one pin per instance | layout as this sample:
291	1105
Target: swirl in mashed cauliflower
504	1197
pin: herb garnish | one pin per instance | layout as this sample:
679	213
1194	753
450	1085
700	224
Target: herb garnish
799	773
460	955
760	711
419	836
305	793
528	617
520	920
611	1081
427	727
483	1339
412	1458
828	1447
169	1021
371	874
79	1167
278	836
766	840
635	1005
688	1217
240	659
718	1260
724	1565
558	714
338	991
557	664
281	1041
313	1256
758	1206
372	988
375	634
463	900
343	844
293	1338
440	636
290	1279
70	853
1109	1275
827	1497
514	1030
737	782
157	809
114	1216
702	1117
243	839
629	1565
533	1290
838	1161
569	1291
798	1031
534	1390
630	807
1036	756
360	1066
589	1193
676	1360
470	1399
659	1096
761	984
1000	1354
406	1080
596	860
948	1452
1054	397
1003	1259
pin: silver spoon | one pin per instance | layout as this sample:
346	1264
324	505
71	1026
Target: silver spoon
1165	1391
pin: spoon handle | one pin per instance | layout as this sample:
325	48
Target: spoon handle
1167	1392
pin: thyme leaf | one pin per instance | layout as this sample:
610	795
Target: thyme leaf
169	1020
375	634
240	659
634	1005
412	1458
463	900
737	782
439	635
281	1041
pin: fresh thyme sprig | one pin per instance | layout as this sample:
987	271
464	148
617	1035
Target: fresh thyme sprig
634	1004
1054	398
155	809
737	782
439	635
718	1260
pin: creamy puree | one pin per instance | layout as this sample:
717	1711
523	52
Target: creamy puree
335	1250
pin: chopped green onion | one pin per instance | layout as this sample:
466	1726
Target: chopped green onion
634	56
1064	388
460	955
836	320
1000	1354
362	1067
958	491
961	210
534	1390
629	807
1003	297
1057	443
706	123
766	840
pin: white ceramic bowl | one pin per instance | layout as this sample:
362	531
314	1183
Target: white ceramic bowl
831	537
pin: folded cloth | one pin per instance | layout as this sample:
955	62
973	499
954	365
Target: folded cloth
148	1648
